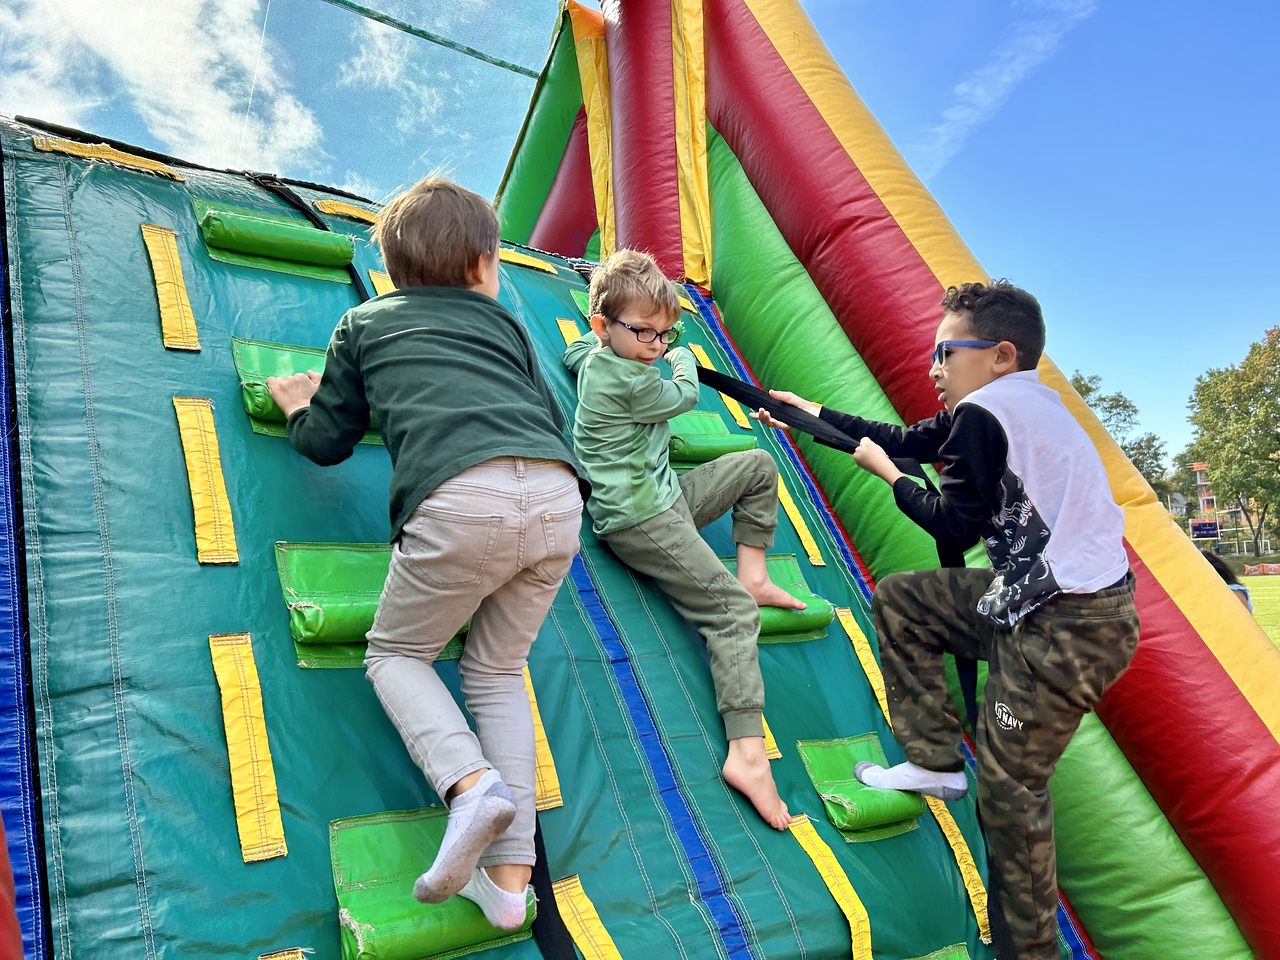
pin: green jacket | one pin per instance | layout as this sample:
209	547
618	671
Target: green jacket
450	378
620	430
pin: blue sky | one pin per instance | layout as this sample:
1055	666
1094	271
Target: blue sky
1117	159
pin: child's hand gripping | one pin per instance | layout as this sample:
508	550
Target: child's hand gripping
870	456
294	392
786	396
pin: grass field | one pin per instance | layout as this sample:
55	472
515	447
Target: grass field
1264	591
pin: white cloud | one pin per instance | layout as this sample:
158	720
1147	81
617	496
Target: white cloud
386	61
353	182
185	66
979	97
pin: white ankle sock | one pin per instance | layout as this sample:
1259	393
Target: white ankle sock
502	908
907	776
476	818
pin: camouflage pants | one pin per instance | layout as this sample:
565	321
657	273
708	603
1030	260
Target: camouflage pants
669	548
1044	674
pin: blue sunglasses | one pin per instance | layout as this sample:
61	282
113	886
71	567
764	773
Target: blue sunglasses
944	348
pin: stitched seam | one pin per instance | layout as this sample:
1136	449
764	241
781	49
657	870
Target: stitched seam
108	569
38	624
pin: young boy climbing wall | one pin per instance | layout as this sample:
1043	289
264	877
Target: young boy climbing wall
651	518
1054	617
485	509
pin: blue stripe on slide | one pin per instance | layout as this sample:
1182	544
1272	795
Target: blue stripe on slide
707	312
706	874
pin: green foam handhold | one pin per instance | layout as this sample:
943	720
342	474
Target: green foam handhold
858	811
701	435
256	360
779	625
280	238
332	591
375	860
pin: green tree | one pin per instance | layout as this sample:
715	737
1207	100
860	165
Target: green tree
1236	413
1119	415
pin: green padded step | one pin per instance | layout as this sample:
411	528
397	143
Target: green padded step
256	360
858	811
701	435
957	951
778	625
270	241
582	300
375	860
332	592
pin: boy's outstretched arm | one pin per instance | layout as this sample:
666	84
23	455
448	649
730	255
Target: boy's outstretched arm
654	399
327	428
970	486
920	442
577	351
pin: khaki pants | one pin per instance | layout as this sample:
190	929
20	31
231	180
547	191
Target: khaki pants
490	544
669	548
1045	673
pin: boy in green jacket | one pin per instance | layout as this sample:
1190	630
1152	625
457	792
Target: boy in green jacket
650	517
485	509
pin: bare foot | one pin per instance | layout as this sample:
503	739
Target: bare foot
766	593
747	771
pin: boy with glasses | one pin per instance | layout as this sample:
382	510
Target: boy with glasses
650	517
1054	616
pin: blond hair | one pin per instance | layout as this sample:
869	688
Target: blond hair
632	278
434	232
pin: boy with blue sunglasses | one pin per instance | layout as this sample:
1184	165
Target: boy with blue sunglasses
1053	616
650	517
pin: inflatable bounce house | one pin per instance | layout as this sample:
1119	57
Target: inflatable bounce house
193	764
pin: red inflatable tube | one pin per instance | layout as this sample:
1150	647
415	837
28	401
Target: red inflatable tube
1208	760
568	216
1179	718
646	191
882	292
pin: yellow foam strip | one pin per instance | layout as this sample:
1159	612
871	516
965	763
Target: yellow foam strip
343	209
733	406
793	35
771	750
593	74
964	860
215	530
1235	639
381	282
100	151
547	781
865	657
837	882
177	322
690	92
524	260
687	304
797	520
955	839
292	953
579	915
253	778
569	330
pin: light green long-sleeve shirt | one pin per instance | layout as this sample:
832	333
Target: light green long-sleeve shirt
620	430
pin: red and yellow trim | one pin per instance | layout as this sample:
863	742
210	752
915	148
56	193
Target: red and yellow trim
593	73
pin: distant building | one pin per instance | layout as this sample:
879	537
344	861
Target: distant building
1177	505
1208	503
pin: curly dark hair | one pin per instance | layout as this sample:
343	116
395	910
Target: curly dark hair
1000	311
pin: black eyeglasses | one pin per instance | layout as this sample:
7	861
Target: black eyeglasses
944	348
648	334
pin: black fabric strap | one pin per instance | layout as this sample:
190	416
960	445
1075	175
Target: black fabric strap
280	189
548	926
755	398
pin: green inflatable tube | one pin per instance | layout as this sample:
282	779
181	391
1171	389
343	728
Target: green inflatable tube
556	101
1132	883
779	320
302	243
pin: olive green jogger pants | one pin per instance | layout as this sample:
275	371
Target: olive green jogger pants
669	548
1044	674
